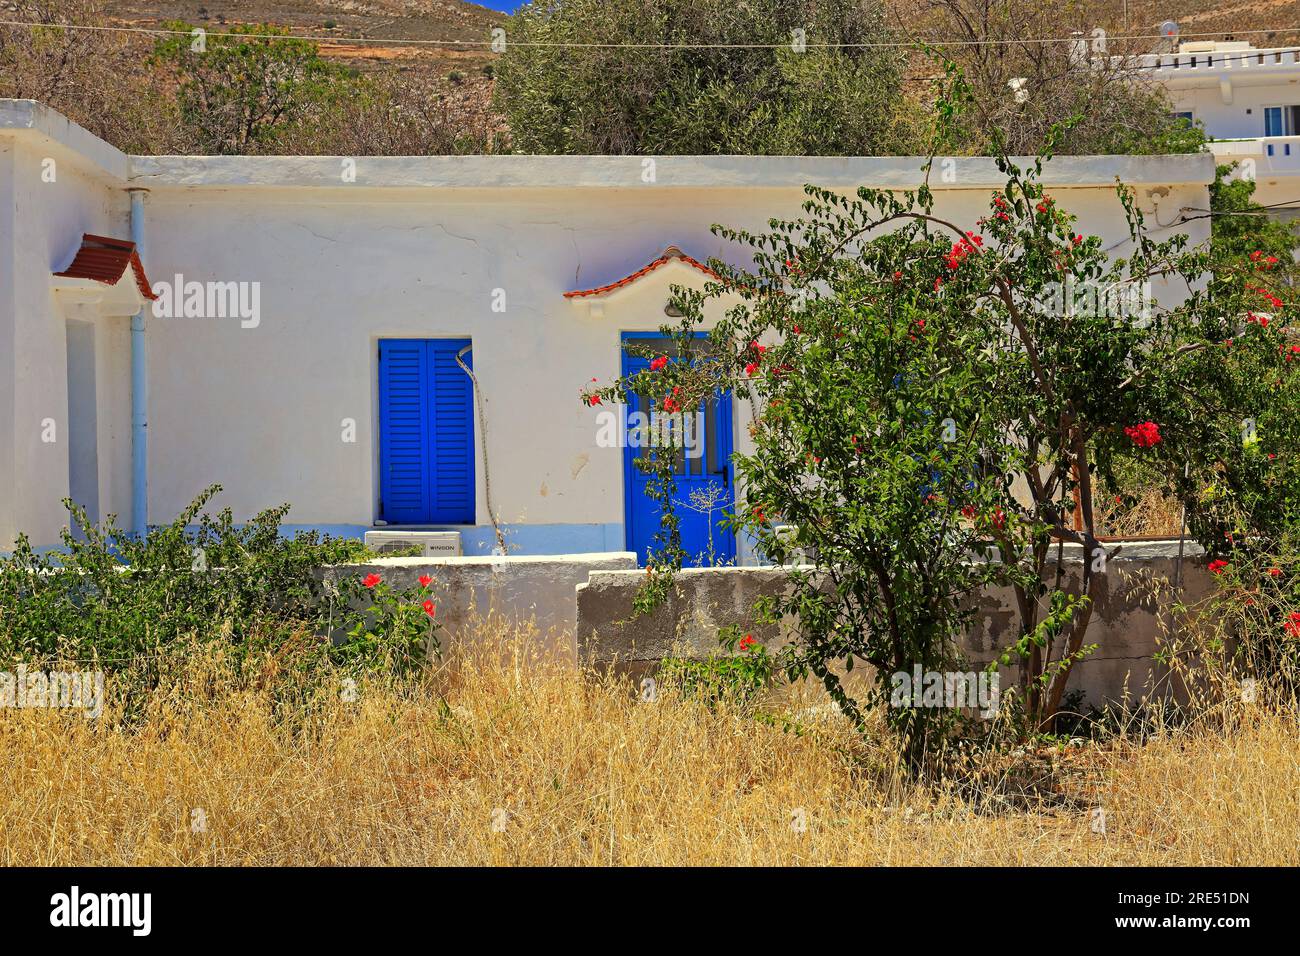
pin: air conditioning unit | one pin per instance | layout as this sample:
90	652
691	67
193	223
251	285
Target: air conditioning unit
432	544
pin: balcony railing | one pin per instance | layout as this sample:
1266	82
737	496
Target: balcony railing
1276	153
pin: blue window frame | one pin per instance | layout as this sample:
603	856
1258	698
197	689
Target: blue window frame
426	432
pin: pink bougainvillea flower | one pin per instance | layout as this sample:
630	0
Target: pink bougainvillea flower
1217	566
370	580
657	364
430	608
425	580
1144	435
747	642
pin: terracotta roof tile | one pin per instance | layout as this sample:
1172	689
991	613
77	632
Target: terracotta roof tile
105	260
672	252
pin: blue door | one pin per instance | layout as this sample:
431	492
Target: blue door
702	470
426	432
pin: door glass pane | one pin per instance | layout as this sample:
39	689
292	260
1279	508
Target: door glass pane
1273	121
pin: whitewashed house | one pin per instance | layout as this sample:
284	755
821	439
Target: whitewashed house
317	318
1248	100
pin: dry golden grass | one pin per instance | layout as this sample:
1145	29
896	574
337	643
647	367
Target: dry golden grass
589	775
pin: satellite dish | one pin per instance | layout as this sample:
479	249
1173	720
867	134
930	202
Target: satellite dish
1169	29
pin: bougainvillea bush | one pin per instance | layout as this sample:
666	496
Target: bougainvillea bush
938	400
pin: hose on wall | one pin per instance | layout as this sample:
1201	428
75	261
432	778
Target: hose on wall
482	447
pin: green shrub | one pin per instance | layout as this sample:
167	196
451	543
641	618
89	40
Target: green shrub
134	606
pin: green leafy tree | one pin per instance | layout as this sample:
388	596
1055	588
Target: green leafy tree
242	93
937	401
764	95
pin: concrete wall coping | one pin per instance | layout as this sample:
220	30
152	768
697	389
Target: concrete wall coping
1135	550
28	117
594	557
64	138
625	172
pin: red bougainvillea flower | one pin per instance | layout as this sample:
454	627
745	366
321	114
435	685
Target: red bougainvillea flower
671	402
898	277
593	400
370	580
430	609
968	511
1293	624
1217	566
425	580
751	369
747	642
1269	297
999	519
758	514
657	364
1274	572
960	250
1144	435
796	330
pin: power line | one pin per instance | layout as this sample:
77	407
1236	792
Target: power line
369	41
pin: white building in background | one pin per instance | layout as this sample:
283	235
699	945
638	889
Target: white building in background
317	319
1248	100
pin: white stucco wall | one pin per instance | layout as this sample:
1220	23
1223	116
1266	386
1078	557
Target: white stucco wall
416	248
56	182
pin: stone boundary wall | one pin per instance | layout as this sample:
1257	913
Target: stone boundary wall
1124	622
526	590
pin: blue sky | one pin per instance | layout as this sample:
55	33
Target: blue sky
509	6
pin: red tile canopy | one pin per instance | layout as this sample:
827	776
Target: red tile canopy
669	254
105	260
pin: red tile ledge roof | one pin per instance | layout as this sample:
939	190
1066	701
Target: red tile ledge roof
669	254
105	260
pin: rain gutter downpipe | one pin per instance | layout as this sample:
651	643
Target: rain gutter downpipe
139	389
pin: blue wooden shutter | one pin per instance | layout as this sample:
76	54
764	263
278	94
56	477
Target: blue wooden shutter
451	406
426	432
